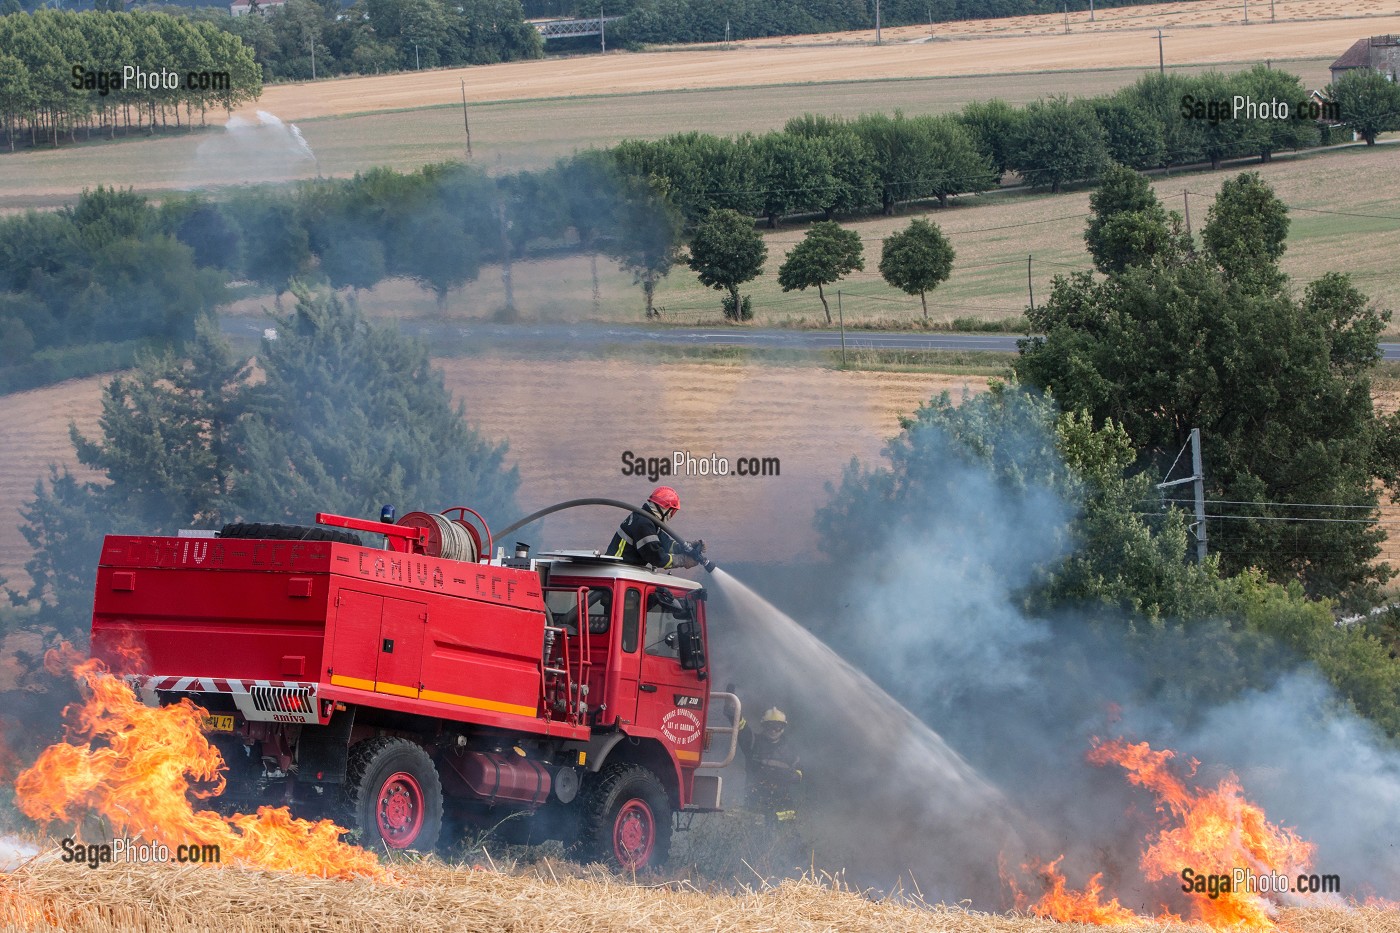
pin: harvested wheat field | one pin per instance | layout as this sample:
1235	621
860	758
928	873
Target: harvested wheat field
568	425
548	898
1312	30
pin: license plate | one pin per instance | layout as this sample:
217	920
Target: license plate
219	723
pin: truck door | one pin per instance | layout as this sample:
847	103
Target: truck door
378	643
669	698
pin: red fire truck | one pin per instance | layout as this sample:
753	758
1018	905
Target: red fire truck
395	686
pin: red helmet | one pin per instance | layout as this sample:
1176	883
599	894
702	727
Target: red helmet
665	497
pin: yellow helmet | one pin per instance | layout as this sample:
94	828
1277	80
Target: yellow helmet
775	715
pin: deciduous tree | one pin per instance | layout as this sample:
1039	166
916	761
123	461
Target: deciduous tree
725	252
916	259
827	254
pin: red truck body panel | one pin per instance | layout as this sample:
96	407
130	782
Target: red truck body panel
410	633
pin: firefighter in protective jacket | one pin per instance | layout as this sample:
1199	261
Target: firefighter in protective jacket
770	765
641	541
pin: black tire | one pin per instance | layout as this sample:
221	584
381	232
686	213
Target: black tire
627	819
393	795
269	532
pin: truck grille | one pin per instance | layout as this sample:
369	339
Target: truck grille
282	699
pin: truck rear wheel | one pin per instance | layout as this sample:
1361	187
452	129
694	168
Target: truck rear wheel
394	795
628	819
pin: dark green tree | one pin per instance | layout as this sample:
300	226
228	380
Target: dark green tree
1246	231
725	252
916	259
1369	103
994	125
1280	388
827	254
350	415
1059	141
1129	227
1135	136
1267	136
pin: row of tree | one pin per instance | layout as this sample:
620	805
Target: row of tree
726	251
829	165
64	72
114	267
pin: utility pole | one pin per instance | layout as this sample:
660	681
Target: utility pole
1161	56
877	22
417	65
1066	19
313	58
840	316
1091	11
1030	286
1246	12
602	28
1272	19
1199	479
1186	200
466	124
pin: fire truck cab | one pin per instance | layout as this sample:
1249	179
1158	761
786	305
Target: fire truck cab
398	689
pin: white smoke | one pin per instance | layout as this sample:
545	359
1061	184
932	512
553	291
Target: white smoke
935	616
261	150
14	853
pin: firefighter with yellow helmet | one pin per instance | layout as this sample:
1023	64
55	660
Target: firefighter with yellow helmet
770	765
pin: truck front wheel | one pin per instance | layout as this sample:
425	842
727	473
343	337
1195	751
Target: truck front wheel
394	794
628	819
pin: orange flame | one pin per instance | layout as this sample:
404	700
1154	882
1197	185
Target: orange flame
134	765
1212	831
1060	903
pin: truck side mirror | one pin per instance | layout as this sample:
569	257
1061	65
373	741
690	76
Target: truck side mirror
692	645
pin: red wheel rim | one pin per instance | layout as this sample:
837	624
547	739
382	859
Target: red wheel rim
399	810
634	834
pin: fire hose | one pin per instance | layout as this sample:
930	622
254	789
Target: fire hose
696	554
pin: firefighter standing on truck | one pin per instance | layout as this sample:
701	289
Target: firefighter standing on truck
639	540
770	766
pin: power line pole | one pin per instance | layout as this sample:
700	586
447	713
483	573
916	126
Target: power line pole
1161	56
841	316
877	22
466	124
602	28
1066	19
1199	481
1186	200
1246	12
1091	11
1030	286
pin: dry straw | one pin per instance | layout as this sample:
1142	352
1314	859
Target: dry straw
548	898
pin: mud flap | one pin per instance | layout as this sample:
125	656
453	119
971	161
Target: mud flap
323	752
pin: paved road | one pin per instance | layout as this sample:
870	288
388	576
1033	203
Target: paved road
518	336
